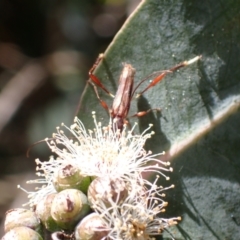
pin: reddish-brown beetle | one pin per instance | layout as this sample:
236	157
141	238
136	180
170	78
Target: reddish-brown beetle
125	92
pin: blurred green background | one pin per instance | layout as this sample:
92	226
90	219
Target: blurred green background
46	50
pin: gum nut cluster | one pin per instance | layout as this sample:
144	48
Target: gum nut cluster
93	188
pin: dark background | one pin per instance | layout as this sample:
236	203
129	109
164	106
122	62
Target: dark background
46	50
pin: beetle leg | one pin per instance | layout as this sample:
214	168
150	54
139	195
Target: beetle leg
95	79
143	113
164	73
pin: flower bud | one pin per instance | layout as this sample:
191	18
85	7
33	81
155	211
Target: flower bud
18	217
22	233
43	211
92	227
107	191
69	176
68	207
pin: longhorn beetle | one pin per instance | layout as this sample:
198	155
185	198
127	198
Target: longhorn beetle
126	90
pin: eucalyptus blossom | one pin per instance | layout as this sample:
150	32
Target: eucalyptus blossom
108	165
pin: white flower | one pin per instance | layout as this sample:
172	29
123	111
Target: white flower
44	170
138	216
103	152
99	152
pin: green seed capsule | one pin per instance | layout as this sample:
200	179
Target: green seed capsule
92	227
18	217
22	233
107	191
69	177
68	207
43	211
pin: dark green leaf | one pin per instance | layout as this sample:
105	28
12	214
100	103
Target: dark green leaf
199	125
